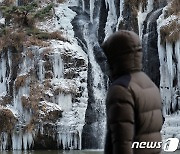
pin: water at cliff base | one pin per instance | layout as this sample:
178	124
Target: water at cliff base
66	152
53	152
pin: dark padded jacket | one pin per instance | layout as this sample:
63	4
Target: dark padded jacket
133	103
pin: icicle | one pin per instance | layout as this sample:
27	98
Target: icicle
177	53
120	19
143	14
169	51
141	17
64	140
65	101
10	67
17	99
111	19
58	65
3	81
80	128
17	141
106	3
27	140
150	5
113	9
75	141
83	5
3	141
70	140
165	71
91	10
161	52
41	71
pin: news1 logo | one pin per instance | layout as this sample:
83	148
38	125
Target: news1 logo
171	144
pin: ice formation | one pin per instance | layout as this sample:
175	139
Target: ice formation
91	10
142	14
111	19
3	78
49	66
169	53
53	80
120	19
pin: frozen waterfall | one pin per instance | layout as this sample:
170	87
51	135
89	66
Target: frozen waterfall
56	92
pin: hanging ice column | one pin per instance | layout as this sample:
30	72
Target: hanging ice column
5	72
169	56
83	5
3	142
57	65
97	87
3	78
169	82
41	70
142	14
91	10
120	19
111	19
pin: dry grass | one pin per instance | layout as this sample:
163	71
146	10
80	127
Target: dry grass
29	54
170	32
136	3
53	116
7	120
21	31
46	52
174	8
25	102
5	100
32	40
20	20
30	127
48	75
61	1
57	35
12	38
20	81
8	2
18	39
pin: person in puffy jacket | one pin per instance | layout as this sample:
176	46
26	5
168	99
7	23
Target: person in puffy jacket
133	103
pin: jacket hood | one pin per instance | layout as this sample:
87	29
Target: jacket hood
124	52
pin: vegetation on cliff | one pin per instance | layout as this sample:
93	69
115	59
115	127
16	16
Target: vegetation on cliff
170	30
20	28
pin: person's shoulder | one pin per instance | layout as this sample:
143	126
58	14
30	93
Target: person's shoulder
142	80
123	81
119	88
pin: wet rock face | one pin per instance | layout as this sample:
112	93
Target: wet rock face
151	62
89	139
46	142
102	22
130	19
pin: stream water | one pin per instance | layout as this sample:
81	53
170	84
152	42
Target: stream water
53	152
66	152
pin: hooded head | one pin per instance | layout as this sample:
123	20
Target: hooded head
124	52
